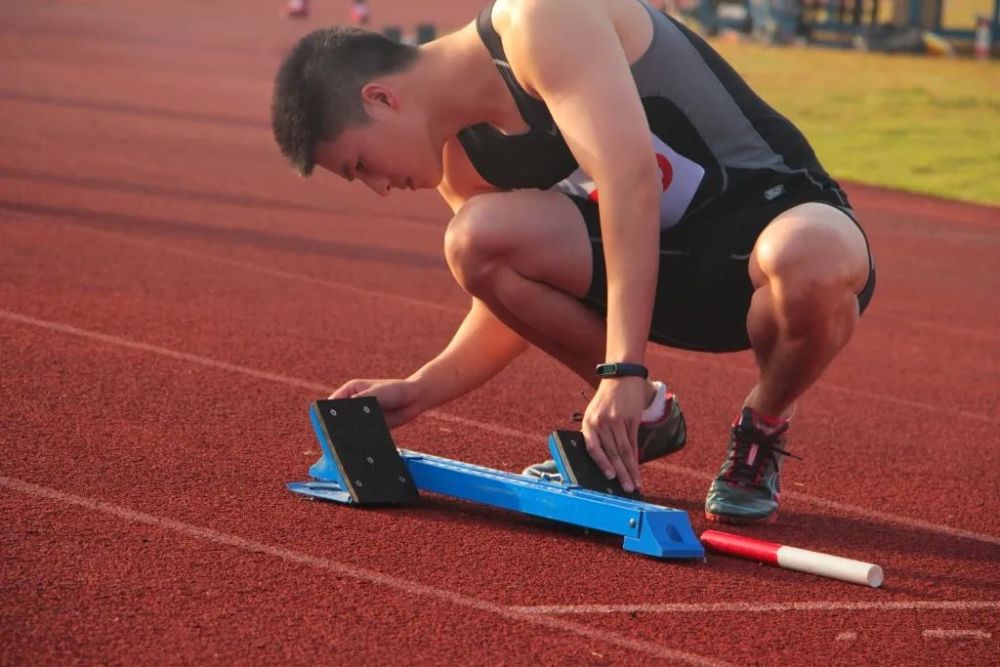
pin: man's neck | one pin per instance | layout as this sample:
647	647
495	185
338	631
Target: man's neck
460	85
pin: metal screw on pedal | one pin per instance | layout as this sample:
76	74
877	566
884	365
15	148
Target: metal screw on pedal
358	482
366	409
631	523
333	412
402	479
370	460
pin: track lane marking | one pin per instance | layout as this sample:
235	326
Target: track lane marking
761	607
491	428
357	573
941	633
420	303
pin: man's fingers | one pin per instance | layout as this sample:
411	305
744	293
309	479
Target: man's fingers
349	390
628	473
596	452
610	455
606	443
632	454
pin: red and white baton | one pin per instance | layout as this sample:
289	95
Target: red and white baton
790	558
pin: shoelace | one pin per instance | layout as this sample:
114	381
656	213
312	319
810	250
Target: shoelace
749	474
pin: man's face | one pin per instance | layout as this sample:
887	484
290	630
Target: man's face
392	151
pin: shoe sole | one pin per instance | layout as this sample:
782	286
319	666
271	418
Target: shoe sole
739	521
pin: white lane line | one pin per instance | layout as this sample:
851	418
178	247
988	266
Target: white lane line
367	293
491	428
941	633
845	508
907	403
760	607
701	360
275	273
309	385
162	351
357	573
885	517
847	636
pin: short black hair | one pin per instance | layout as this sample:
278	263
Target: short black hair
317	91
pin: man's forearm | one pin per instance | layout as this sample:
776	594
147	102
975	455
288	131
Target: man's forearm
630	227
481	348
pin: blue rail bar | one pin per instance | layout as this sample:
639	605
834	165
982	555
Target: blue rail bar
648	529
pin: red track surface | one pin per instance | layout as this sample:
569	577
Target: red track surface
171	297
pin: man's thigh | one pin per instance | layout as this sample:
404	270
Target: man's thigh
541	234
703	290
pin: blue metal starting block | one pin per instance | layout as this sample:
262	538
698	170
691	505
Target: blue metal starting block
360	465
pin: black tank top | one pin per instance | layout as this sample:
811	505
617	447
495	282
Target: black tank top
715	134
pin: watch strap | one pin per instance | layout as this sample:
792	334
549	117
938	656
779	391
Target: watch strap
621	369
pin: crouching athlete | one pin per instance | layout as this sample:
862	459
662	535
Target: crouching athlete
613	182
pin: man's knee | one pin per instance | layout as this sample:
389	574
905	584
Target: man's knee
474	243
812	264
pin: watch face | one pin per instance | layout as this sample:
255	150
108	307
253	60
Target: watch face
621	370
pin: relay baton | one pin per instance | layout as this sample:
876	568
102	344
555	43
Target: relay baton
790	558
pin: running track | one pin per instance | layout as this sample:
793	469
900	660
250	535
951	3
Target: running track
171	297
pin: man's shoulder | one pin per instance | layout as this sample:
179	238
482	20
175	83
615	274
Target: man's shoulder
511	17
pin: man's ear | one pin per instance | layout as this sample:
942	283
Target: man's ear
377	97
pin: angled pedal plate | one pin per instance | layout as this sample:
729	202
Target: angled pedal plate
360	463
569	451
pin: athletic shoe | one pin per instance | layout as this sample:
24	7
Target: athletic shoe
747	488
663	431
659	437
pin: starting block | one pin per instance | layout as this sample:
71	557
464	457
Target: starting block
360	465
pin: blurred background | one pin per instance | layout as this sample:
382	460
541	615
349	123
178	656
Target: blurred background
898	93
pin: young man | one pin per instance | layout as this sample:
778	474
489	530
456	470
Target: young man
613	181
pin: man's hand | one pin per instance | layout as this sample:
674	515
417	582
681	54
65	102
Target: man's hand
610	427
396	398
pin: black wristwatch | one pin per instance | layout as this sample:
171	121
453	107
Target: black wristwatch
621	370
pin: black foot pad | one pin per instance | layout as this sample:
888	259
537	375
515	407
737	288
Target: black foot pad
580	470
357	436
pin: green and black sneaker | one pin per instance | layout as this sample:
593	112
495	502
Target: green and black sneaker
658	437
747	488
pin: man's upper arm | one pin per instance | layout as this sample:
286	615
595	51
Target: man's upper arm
459	182
569	52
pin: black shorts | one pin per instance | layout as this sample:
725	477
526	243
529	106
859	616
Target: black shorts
704	289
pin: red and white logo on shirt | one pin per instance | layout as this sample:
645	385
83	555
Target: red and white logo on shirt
680	178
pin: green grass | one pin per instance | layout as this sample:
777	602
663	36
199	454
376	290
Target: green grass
914	123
